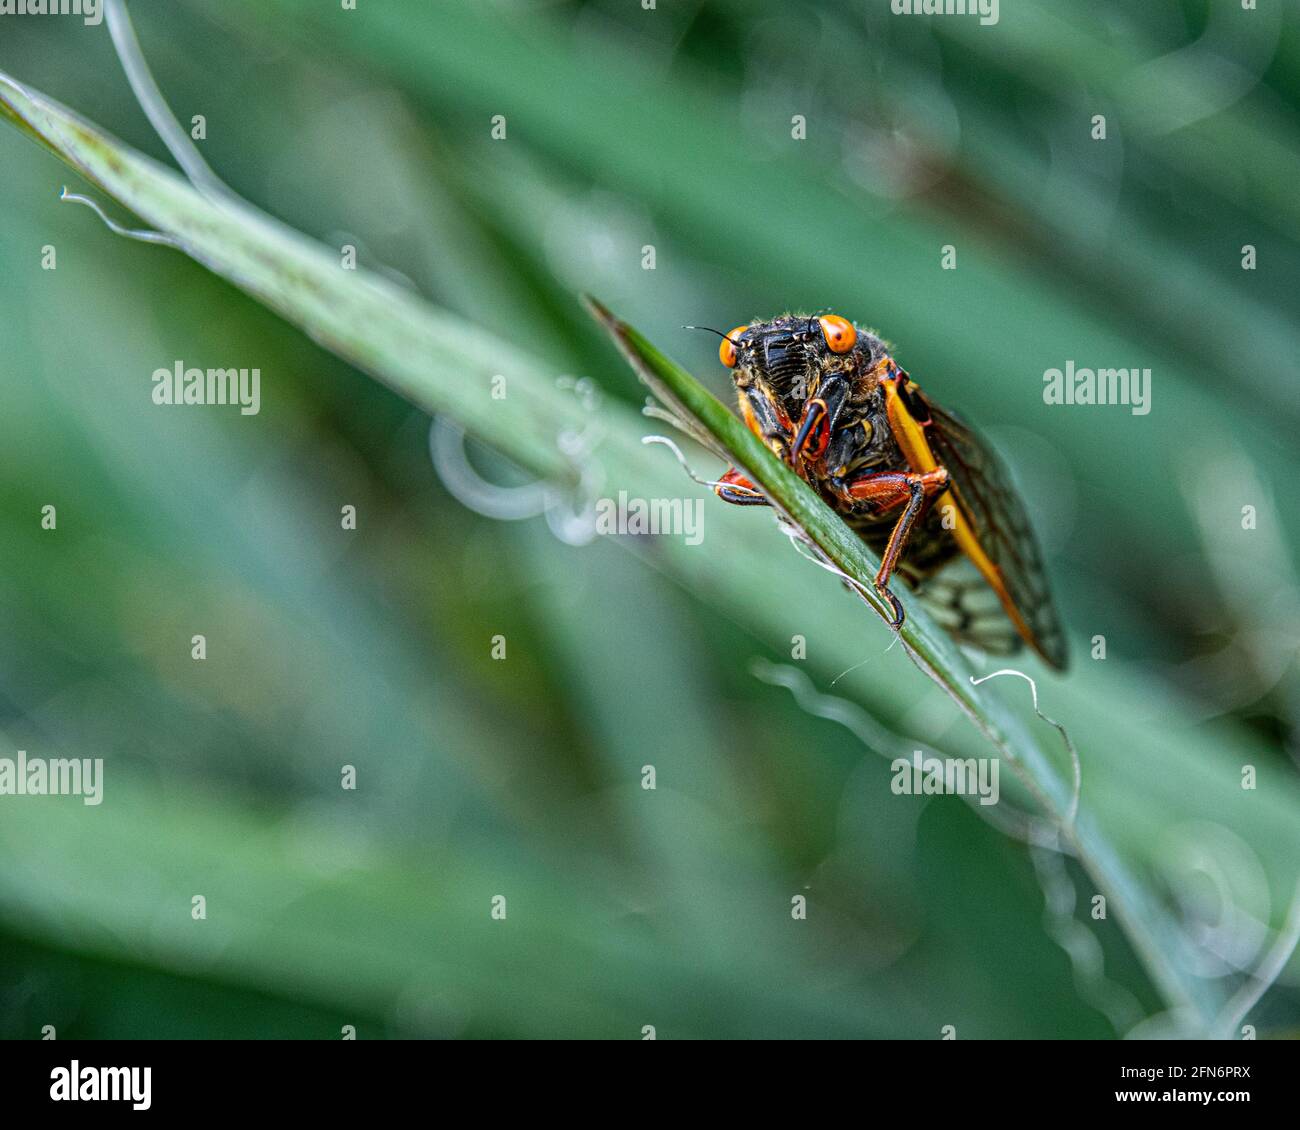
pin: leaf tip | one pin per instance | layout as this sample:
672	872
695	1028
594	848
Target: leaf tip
601	313
605	316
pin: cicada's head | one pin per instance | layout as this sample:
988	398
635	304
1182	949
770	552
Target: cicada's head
789	356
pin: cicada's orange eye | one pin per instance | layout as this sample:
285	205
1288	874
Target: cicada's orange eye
727	350
839	332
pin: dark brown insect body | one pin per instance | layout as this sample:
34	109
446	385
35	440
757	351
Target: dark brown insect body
829	399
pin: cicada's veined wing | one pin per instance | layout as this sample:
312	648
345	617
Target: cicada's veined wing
983	490
963	604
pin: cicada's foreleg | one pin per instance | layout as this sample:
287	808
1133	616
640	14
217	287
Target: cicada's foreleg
733	487
885	491
820	414
767	420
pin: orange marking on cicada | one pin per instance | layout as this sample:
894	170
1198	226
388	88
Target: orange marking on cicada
747	414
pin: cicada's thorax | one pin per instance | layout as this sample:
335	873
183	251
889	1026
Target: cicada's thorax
861	440
860	437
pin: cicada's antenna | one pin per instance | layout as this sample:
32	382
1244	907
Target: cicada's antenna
711	330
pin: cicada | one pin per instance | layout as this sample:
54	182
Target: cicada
920	487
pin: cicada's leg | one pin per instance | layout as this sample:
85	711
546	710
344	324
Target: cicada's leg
886	491
767	420
733	487
814	434
818	420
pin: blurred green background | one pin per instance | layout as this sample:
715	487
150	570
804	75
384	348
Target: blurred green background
630	128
